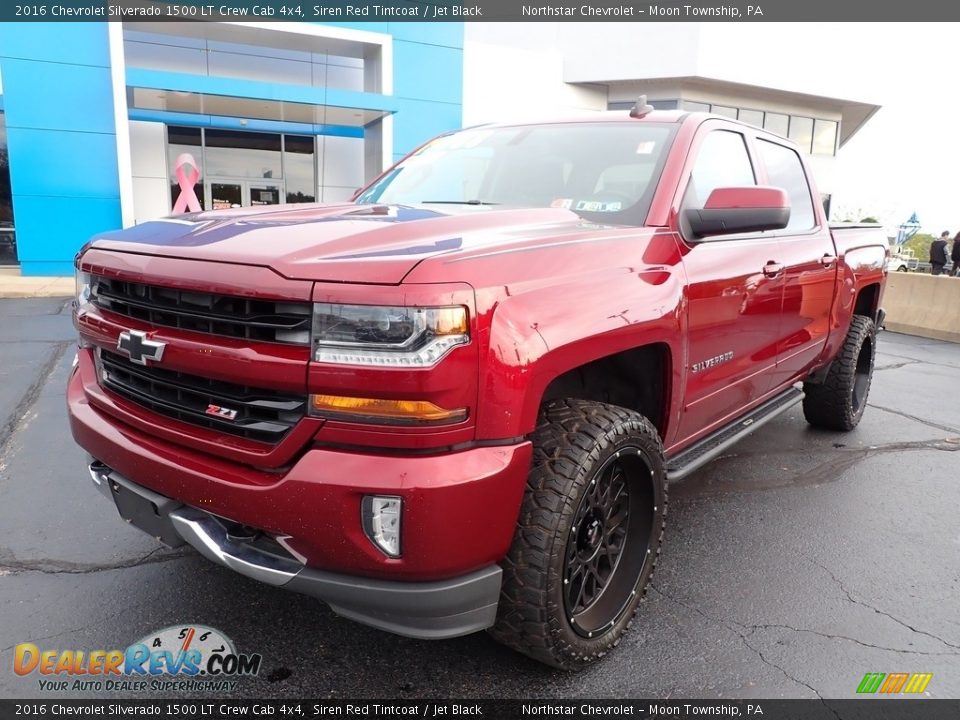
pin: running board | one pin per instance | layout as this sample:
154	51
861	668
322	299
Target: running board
705	450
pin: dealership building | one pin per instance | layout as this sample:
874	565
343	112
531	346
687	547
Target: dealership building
103	125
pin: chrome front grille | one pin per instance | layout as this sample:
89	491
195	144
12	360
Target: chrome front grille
254	413
227	315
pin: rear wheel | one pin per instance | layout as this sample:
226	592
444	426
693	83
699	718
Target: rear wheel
588	535
839	401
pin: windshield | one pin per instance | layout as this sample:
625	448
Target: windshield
603	171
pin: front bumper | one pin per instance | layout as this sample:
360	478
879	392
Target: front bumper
429	610
460	513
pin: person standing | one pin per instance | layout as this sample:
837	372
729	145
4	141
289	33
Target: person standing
955	255
938	253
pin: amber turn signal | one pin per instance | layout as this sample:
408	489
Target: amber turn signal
387	412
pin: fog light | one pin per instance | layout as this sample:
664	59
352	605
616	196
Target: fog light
381	522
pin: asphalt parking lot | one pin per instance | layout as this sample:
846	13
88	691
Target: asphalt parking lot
792	566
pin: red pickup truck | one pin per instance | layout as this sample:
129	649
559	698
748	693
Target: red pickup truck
455	403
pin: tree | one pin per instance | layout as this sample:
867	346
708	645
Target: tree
920	245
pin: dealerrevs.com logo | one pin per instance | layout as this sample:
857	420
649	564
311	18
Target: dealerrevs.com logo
177	658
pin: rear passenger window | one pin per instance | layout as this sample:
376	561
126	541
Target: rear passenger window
784	170
722	161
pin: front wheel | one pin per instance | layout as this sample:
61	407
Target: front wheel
839	401
588	536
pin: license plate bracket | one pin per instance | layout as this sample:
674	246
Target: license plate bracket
145	509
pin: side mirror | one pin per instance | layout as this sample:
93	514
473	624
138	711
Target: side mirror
732	210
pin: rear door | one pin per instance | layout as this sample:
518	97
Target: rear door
809	262
734	291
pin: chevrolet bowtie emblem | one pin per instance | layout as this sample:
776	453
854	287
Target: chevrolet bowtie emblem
135	345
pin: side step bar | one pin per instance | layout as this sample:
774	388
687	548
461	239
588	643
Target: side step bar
703	451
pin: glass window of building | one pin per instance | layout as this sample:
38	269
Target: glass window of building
752	117
692	106
785	170
180	141
8	243
233	153
198	56
776	123
655	104
243	168
801	132
299	169
824	137
722	161
725	111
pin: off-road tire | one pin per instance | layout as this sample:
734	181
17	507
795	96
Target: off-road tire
839	401
573	442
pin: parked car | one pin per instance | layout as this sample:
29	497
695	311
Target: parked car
902	259
454	403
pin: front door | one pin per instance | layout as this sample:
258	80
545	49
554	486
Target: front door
733	294
224	193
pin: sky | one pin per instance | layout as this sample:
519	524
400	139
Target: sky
906	158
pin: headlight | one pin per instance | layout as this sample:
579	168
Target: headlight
386	336
84	287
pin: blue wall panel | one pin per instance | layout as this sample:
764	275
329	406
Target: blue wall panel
57	42
61	136
42	173
419	120
427	81
443	81
449	34
63	224
61	97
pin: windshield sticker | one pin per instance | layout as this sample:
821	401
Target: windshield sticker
646	148
597	206
565	203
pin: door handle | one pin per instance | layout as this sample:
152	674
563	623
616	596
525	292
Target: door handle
772	269
828	260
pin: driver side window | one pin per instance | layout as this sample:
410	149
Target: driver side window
722	161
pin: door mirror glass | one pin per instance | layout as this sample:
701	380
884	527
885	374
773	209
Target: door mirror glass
731	210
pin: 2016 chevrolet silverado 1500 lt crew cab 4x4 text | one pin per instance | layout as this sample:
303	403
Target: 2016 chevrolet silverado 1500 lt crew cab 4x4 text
454	403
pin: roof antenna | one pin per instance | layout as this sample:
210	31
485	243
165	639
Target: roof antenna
641	108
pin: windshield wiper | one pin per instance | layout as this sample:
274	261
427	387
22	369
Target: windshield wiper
457	202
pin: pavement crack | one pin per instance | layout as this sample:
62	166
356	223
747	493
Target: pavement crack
908	416
828	636
81	628
48	566
912	361
897	366
732	626
877	610
23	407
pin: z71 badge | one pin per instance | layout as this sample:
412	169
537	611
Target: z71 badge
221	412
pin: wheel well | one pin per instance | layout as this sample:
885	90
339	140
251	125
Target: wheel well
637	379
867	301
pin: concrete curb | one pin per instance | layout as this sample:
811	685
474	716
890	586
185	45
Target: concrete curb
17	286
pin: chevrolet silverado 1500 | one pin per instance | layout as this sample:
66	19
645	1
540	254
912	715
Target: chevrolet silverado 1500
454	403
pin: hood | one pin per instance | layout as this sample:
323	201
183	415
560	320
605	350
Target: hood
338	243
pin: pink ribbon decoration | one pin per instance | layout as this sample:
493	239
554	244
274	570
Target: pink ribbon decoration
187	201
